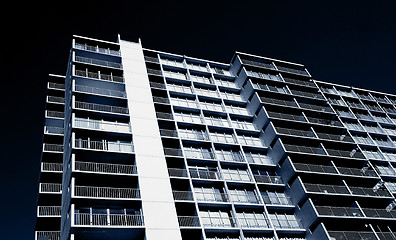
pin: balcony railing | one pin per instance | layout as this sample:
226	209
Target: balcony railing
177	172
101	107
293	117
268	179
211	197
277	200
292	70
98	62
278	102
352	235
50	188
258	64
54	114
316	107
87	219
335	137
47	235
53	99
49	211
307	94
218	222
104	168
102	125
356	172
379	213
51	167
254	222
99	76
54	130
188	221
58	86
183	195
164	115
304	149
295	132
154	71
97	49
328	122
160	100
369	192
48	147
339	211
106	192
173	152
344	153
333	189
157	85
104	145
100	91
168	133
315	168
151	59
205	174
299	82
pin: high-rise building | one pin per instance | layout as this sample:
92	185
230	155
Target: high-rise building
143	144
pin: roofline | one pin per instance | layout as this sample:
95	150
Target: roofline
267	58
94	39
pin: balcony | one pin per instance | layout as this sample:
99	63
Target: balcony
352	235
188	221
56	86
47	235
344	153
164	115
173	152
357	172
93	167
292	70
53	99
100	91
379	213
168	133
278	102
151	59
258	64
327	122
98	62
268	179
362	191
284	223
97	49
54	114
49	211
102	125
334	137
285	116
154	72
253	221
304	149
99	76
315	168
277	200
50	188
295	132
48	147
328	189
205	174
101	107
218	222
339	211
54	130
106	192
183	195
178	172
104	145
326	109
299	82
163	100
51	167
124	220
307	94
211	197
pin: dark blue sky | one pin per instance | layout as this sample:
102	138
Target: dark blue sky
346	42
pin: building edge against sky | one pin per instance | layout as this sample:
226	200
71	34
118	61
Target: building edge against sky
143	144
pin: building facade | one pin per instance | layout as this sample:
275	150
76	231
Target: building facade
142	144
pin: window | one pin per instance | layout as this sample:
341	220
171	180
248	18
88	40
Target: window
362	139
372	154
204	172
209	194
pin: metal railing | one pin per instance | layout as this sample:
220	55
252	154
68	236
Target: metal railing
173	152
315	168
211	197
326	188
105	168
54	114
253	222
292	70
47	235
335	137
369	192
164	115
50	188
325	121
205	174
101	107
99	76
316	107
97	49
87	219
51	167
168	133
188	221
268	179
58	86
160	100
352	235
104	145
102	125
356	172
304	149
278	200
379	213
98	62
183	195
49	211
157	85
295	132
49	147
298	118
218	222
343	153
307	94
299	82
53	99
106	192
278	102
177	172
101	91
339	211
54	130
258	64
154	71
151	59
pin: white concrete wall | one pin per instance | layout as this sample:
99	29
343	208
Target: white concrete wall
157	201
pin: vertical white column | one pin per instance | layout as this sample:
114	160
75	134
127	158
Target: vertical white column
157	200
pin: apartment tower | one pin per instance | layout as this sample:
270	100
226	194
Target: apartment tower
143	144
